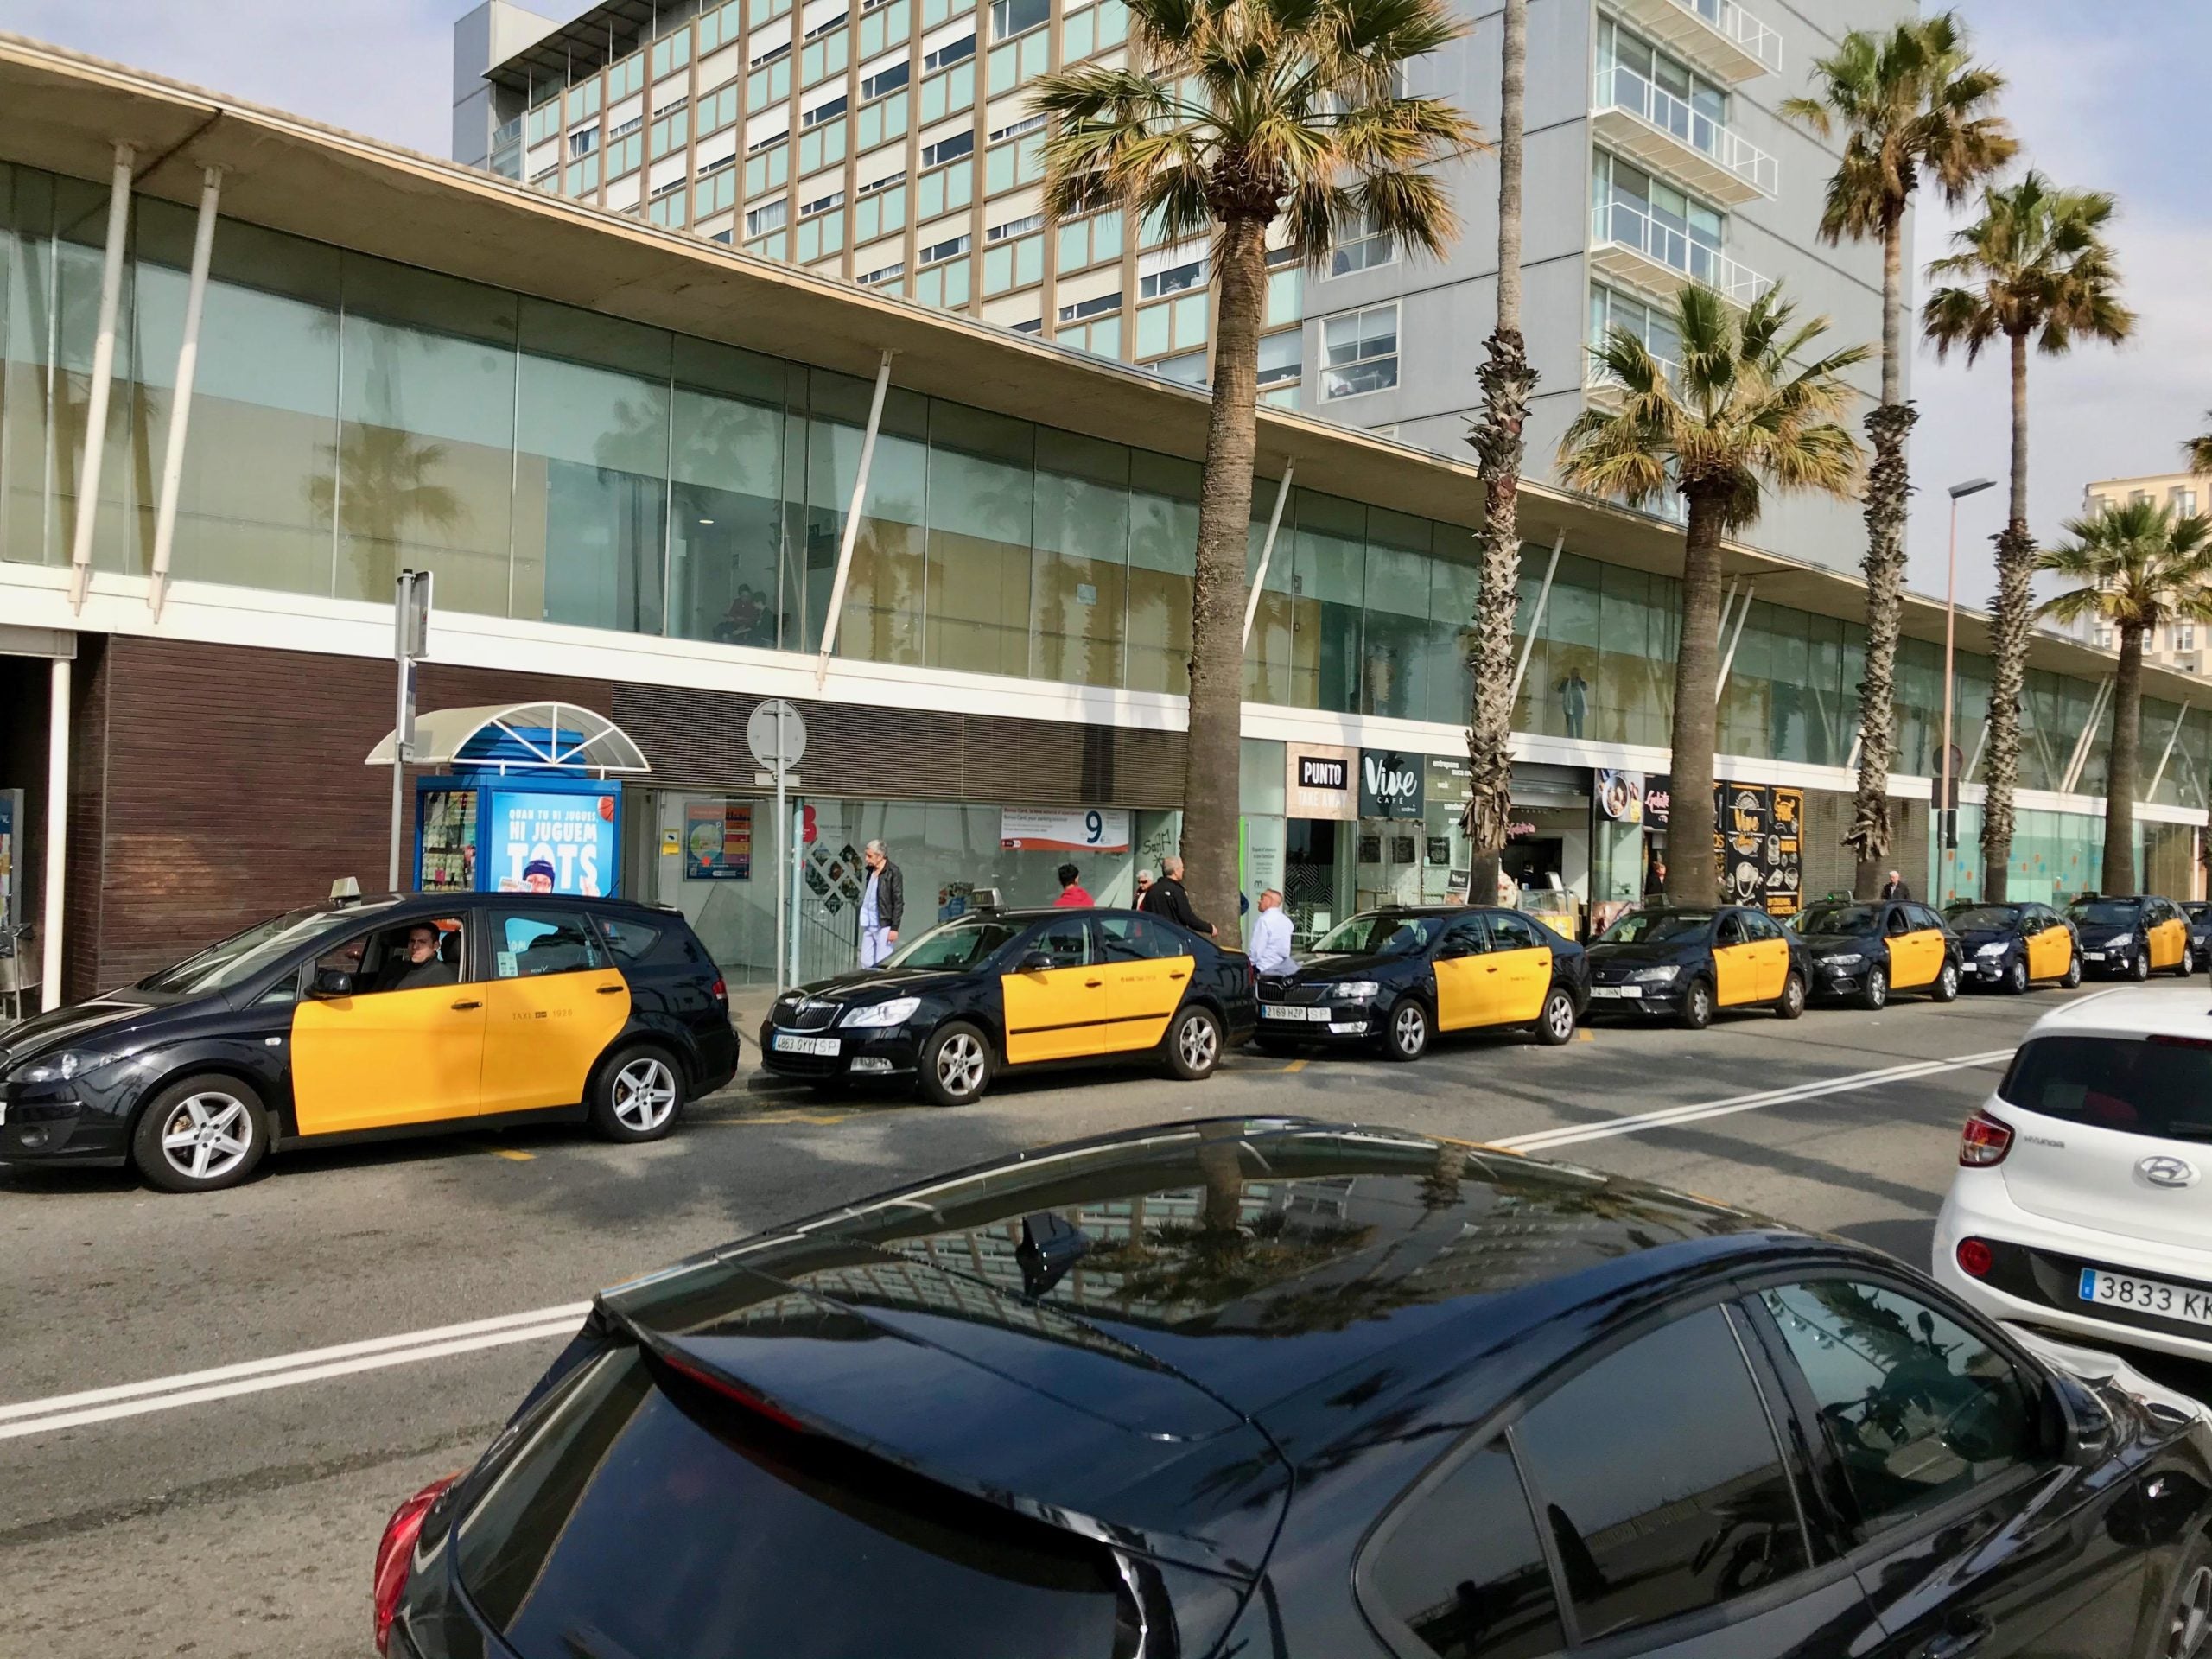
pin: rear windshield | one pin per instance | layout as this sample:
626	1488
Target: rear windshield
646	1517
2158	1086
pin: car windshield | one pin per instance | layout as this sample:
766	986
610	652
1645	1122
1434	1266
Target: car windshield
2157	1086
242	956
1854	921
2197	912
1380	935
1993	917
1657	927
2105	912
954	944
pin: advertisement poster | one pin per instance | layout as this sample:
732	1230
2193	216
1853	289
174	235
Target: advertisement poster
1390	785
1758	843
1620	795
554	843
12	886
1071	829
718	841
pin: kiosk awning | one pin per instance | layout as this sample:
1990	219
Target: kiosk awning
519	736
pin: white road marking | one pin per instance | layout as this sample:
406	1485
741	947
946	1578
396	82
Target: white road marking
375	1353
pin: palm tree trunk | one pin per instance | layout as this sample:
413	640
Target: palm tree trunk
2015	551
2118	874
1694	874
1888	486
1500	442
1211	769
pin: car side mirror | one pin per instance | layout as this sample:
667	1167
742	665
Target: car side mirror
2076	1425
331	982
1036	962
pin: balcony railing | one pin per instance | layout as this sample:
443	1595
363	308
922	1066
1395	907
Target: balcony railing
1599	382
1719	37
1739	27
1662	257
1678	139
508	132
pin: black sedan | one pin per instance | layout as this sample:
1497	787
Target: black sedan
955	1006
1864	952
2013	946
1296	1391
1391	978
1673	964
2199	916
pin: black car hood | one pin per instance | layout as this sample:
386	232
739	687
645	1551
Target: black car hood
1346	965
1823	944
872	984
1664	950
1973	937
61	1028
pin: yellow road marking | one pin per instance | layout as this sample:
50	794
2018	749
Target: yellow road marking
1586	1035
1295	1065
780	1118
512	1154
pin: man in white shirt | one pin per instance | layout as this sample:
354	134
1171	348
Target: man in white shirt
1271	935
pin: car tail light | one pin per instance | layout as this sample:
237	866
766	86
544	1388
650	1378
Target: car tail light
1976	1258
1984	1141
396	1550
730	1390
719	991
2162	1040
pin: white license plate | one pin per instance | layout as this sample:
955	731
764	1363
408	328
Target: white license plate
2146	1296
2093	956
791	1043
1285	1011
1632	992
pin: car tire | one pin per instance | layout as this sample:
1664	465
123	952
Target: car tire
1281	1047
1405	1032
2186	968
1790	1005
2182	1628
2072	980
1697	1006
201	1135
638	1095
1874	990
956	1066
1193	1044
2016	977
1555	1025
2138	963
1946	988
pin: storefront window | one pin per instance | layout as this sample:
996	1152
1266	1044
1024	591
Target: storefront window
1079	582
882	618
1163	534
1395	645
981	518
1328	580
727	579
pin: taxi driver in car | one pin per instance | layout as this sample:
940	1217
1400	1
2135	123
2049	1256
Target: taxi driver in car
421	966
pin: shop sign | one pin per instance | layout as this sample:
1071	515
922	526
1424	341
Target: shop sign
1319	781
1068	829
1658	794
553	844
1757	841
1451	782
1620	795
1389	784
718	841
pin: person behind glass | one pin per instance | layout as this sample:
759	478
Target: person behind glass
1144	890
883	906
1271	935
1072	895
1168	900
423	966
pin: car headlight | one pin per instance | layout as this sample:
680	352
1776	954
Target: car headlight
1846	959
1356	990
58	1068
1656	976
1996	949
897	1011
2118	942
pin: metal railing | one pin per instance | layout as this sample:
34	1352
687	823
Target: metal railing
1623	226
507	132
1726	18
1596	377
1622	88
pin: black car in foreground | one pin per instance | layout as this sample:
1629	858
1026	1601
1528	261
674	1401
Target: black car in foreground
1392	978
1288	1390
2013	946
1006	989
1669	963
1866	952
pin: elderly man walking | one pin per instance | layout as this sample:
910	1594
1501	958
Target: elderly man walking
1168	900
883	906
1271	935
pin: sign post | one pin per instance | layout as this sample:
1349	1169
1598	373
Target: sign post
411	642
776	737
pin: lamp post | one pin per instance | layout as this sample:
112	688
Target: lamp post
1946	813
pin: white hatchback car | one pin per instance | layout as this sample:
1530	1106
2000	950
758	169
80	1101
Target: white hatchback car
2083	1199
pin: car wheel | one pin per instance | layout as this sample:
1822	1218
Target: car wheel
1556	1024
2016	977
1406	1036
2138	964
1281	1047
1946	988
955	1064
2186	968
1193	1044
1874	995
1791	1003
1697	1006
200	1135
637	1095
2072	981
2184	1627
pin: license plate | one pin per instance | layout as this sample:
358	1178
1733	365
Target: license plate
2093	956
791	1043
1632	992
2146	1296
1285	1011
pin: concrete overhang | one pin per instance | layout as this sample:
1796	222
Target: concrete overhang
65	113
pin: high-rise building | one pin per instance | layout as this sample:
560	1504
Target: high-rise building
891	144
2185	647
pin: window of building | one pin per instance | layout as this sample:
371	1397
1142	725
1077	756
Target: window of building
880	273
1636	76
583	143
1281	356
1010	17
2140	497
1090	241
1034	123
887	79
1189	368
1015	227
1172	279
952	250
822	203
828	110
1464	1570
1359	352
2182	502
1659	221
768	217
889	182
625	128
2184	636
780	49
1092	308
950	51
2104	638
1034	326
949	148
1362	251
1610	310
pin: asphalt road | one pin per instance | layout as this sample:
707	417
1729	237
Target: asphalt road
242	1520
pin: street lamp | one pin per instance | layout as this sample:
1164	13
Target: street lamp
1947	811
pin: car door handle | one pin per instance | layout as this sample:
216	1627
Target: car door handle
1179	976
461	1007
1092	984
612	990
1958	1642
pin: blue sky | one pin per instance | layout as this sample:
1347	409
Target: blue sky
2107	94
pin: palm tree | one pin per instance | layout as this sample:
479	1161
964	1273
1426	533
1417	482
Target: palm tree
379	483
1908	104
1230	116
2036	267
1500	441
2198	450
1750	407
2133	567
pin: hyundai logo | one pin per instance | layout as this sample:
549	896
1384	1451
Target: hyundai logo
2167	1171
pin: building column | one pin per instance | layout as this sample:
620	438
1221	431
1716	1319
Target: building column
57	831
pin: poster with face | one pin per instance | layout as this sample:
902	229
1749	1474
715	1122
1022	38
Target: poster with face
554	842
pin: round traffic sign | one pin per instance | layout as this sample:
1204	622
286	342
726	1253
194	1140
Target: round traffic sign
776	733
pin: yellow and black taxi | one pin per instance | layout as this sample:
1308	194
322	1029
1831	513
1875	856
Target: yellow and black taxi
1014	989
1395	977
1865	952
2013	946
361	1021
2133	938
1684	964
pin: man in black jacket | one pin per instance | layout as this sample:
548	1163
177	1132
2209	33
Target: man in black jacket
1168	900
883	906
1895	887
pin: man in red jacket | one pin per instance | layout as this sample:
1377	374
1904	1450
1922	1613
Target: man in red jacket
1072	897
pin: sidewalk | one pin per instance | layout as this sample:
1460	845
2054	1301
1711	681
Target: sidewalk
748	1007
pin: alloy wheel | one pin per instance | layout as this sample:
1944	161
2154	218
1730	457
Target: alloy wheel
1197	1042
1558	1017
645	1094
960	1064
207	1135
1407	1029
2192	1621
2016	981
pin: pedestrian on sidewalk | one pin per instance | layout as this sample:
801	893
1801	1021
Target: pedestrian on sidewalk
1896	888
1168	900
883	906
1144	891
1073	896
1271	935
